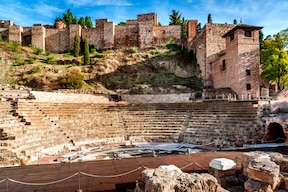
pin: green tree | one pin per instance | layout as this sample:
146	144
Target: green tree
68	18
75	20
199	27
76	45
234	21
86	52
81	21
284	35
209	19
88	22
274	60
184	29
175	18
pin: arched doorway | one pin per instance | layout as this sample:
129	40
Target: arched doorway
275	134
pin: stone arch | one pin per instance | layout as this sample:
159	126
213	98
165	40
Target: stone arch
275	133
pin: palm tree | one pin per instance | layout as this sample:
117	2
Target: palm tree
175	18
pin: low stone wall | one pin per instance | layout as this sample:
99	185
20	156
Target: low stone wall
68	97
163	98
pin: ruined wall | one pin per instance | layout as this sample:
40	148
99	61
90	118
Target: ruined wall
242	54
57	40
15	34
4	33
26	36
163	33
73	31
38	36
126	35
191	29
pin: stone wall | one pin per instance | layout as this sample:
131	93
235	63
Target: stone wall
242	59
51	97
57	40
38	36
163	98
15	34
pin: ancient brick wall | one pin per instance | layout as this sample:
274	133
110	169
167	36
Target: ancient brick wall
163	33
26	36
4	33
15	34
191	29
242	59
73	31
6	23
38	36
57	40
126	35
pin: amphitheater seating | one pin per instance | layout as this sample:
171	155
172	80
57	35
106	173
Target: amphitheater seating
33	126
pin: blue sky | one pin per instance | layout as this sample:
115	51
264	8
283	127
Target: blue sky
271	14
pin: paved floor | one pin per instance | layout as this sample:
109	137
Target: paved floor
101	175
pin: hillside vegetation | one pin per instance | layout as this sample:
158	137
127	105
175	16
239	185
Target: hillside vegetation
163	69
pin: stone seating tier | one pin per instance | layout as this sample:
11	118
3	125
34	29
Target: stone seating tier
40	125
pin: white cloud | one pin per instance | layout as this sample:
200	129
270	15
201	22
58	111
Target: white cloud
99	2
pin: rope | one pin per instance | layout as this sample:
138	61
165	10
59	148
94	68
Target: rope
110	176
3	180
39	184
198	165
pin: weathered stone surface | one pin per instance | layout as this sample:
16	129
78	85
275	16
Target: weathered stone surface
228	181
220	173
252	185
265	171
162	180
249	156
222	164
284	165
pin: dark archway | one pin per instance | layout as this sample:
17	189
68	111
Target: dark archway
275	134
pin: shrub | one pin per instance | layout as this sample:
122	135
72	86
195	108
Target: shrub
47	53
37	51
134	50
34	70
51	60
18	62
72	80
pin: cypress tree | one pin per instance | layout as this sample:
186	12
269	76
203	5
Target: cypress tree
76	45
86	52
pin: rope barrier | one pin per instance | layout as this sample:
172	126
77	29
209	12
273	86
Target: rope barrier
89	175
110	176
40	184
3	180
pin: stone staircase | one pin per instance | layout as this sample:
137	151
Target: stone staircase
28	126
222	123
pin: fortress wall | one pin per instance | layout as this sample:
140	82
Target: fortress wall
94	36
108	36
164	98
73	30
26	36
4	33
126	35
145	37
38	36
51	97
15	34
163	33
57	40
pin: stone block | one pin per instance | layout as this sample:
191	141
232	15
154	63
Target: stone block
228	181
249	156
222	164
220	173
265	171
252	185
284	165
